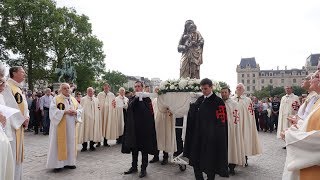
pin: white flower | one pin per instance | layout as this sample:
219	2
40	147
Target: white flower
196	88
183	83
172	87
176	88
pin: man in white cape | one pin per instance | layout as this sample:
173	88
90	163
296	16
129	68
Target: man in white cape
305	108
107	110
90	129
65	112
246	112
6	157
121	104
289	106
165	129
303	145
14	98
236	154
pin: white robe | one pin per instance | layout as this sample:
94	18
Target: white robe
305	108
108	123
55	117
249	129
121	103
16	122
90	129
303	149
288	106
236	151
6	157
165	128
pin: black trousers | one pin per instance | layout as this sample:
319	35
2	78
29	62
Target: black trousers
165	155
179	122
274	118
199	176
85	145
256	115
144	164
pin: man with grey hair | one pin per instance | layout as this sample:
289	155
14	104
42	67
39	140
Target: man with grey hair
65	113
249	129
289	106
305	108
14	97
45	102
90	128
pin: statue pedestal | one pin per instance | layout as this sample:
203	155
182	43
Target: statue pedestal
56	86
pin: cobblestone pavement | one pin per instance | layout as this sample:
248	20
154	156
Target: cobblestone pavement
109	163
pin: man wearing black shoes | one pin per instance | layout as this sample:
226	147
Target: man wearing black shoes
140	134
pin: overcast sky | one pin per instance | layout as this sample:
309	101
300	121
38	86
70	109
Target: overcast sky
141	36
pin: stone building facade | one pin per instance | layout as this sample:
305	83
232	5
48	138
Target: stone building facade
254	79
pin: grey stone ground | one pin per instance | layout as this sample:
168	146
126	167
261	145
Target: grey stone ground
109	163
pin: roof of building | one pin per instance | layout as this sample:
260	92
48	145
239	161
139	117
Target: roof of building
276	72
313	59
245	62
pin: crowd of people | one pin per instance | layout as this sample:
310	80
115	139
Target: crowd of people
221	133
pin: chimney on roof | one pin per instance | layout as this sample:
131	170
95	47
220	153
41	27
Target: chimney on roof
277	67
285	68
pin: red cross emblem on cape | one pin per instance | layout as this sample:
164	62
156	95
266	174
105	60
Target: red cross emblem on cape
250	108
221	113
236	116
295	105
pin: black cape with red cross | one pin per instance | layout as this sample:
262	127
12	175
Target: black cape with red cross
139	129
207	140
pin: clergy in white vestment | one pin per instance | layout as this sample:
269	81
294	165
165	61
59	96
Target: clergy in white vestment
305	108
65	112
14	98
303	144
6	157
107	110
249	130
236	154
90	130
164	124
121	104
289	106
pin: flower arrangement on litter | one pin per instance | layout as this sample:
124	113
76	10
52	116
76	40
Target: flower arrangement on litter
184	85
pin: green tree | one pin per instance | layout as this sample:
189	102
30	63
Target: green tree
115	79
25	25
223	84
72	40
297	90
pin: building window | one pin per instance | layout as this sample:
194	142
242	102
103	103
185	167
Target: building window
262	87
242	75
262	81
248	81
282	80
248	75
253	88
253	81
294	81
253	75
242	81
270	74
248	88
262	74
271	81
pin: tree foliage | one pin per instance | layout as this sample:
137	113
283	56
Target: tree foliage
41	37
270	91
115	79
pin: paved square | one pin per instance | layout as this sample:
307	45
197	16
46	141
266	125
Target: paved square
109	163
